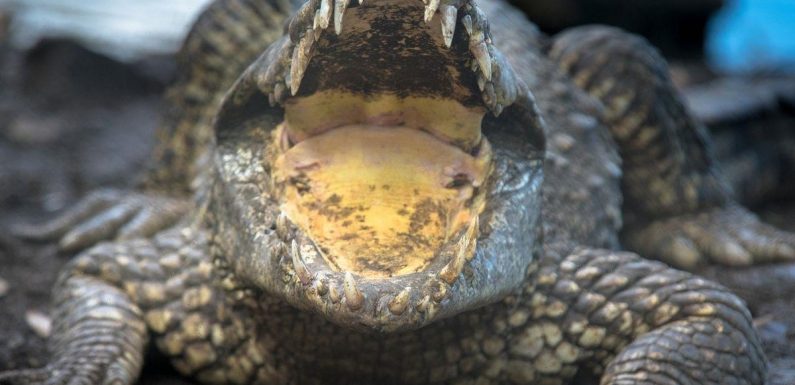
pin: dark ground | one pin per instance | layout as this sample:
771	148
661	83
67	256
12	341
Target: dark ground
71	121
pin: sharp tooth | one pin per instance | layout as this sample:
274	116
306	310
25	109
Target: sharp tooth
449	19
498	109
481	53
453	268
481	83
282	227
339	10
321	287
430	10
467	22
424	303
440	294
300	61
325	13
489	96
279	92
431	312
464	248
303	273
316	20
353	297
401	301
334	294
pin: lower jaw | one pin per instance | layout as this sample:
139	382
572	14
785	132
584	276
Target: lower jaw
378	201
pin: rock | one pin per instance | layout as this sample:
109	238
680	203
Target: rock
40	323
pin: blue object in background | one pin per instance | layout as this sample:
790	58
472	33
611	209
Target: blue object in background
753	36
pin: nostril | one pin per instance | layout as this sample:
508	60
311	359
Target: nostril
459	181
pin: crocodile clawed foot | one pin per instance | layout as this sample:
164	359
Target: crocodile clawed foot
730	236
104	215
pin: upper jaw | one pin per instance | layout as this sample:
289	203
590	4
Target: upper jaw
459	26
280	258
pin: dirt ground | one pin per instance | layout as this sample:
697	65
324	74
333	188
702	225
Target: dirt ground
71	121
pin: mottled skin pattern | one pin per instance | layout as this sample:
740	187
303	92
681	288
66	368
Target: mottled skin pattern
579	309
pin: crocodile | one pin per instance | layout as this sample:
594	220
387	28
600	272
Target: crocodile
396	191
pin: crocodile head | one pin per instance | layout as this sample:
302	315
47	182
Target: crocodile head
379	165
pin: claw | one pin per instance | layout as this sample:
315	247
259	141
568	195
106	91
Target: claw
145	223
86	208
103	226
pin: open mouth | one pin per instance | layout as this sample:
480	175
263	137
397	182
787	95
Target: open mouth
379	166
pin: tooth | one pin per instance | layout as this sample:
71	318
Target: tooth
279	92
498	109
339	10
489	96
481	83
481	53
353	297
449	16
401	301
467	22
282	228
440	293
431	312
300	61
424	303
321	287
304	275
453	268
430	9
324	13
334	294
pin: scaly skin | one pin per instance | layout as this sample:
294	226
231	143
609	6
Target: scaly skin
678	207
236	293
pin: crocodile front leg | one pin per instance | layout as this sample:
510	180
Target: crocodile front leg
634	321
113	297
225	39
678	207
99	337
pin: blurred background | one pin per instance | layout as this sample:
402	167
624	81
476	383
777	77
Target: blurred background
734	35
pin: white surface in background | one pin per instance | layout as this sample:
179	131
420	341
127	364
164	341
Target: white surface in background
124	29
